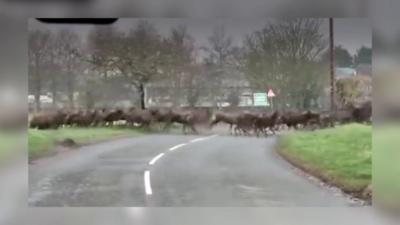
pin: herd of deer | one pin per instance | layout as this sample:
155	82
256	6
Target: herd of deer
104	117
244	122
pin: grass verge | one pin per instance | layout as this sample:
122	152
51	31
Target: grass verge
42	142
340	156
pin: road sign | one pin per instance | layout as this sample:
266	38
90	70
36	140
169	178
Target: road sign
270	93
260	99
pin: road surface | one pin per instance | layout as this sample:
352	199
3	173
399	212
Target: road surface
175	170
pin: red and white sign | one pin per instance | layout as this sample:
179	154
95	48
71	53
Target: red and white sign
270	93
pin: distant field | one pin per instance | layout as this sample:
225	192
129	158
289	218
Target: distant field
340	155
41	142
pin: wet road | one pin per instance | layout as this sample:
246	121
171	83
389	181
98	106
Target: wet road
201	216
175	170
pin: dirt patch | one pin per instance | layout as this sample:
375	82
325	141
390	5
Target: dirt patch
367	193
359	193
68	142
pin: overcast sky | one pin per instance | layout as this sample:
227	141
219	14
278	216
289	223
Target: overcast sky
352	33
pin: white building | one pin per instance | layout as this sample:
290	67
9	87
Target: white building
344	72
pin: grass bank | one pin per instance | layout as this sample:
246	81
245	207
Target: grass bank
42	142
341	156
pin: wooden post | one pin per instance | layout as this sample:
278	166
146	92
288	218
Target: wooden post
332	64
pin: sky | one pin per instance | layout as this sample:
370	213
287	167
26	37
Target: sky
351	33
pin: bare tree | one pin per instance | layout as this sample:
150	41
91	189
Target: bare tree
139	55
180	67
284	55
104	50
141	58
69	45
194	83
104	43
220	45
37	50
220	50
53	66
233	97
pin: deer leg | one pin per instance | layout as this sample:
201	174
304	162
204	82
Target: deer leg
184	128
256	131
245	132
272	130
167	125
193	129
235	130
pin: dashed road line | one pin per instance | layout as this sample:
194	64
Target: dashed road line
203	138
177	146
147	185
154	160
197	139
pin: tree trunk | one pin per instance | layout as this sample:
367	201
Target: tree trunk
70	93
193	97
70	88
177	92
37	96
141	95
54	91
306	100
38	87
89	99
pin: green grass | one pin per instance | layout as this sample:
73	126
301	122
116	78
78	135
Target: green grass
42	142
341	155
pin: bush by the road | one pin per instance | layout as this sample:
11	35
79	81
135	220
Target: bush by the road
42	142
341	156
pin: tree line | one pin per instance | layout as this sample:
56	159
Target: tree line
343	58
111	64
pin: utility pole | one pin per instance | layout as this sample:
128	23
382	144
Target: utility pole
332	64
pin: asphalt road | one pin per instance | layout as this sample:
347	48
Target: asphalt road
201	216
175	170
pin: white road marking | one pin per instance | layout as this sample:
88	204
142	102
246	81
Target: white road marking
177	146
203	138
147	185
197	139
154	160
211	136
